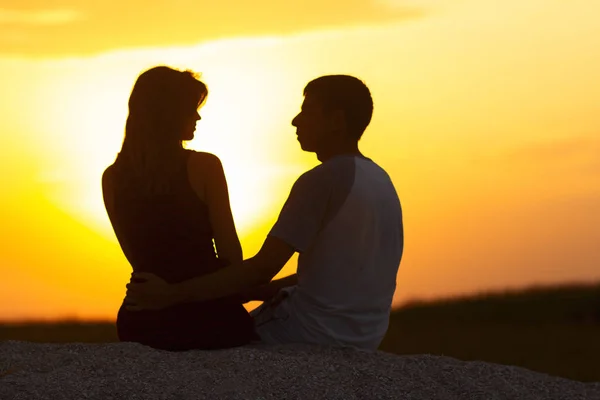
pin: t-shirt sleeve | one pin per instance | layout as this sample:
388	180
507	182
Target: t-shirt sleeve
303	213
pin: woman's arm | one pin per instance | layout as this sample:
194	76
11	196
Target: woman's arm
207	177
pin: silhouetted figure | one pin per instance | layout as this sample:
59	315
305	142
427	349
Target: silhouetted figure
344	219
166	205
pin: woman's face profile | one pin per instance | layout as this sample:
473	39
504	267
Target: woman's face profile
189	125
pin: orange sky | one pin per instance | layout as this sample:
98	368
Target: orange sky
487	118
37	28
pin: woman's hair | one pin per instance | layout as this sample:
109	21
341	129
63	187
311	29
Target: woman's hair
160	105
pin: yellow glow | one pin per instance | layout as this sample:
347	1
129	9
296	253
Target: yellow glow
486	118
85	130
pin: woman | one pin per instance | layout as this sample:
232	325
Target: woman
167	205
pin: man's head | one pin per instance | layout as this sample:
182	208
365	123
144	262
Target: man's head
336	111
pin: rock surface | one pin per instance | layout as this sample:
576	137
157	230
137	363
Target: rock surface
132	371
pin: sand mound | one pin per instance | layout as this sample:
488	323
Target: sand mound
132	371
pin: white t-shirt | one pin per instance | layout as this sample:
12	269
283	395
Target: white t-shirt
345	219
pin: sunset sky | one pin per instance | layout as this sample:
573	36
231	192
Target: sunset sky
487	118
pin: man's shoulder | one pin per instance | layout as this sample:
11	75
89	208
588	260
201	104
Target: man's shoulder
373	172
314	176
330	171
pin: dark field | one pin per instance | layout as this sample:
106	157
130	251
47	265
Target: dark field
550	330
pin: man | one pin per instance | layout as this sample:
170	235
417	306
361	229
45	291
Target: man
345	220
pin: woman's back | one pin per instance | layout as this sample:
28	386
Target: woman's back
171	236
166	234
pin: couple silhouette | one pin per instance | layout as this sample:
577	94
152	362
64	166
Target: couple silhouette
170	211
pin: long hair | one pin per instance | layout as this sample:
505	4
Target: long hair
160	104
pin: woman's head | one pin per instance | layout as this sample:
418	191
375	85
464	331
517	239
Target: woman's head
164	104
163	110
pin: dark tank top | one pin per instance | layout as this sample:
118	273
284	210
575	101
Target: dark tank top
170	235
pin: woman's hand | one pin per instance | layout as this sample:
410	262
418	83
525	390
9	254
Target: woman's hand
152	294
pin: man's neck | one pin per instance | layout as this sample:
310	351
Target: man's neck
350	150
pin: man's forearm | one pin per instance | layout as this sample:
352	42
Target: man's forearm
225	282
234	279
279	284
269	290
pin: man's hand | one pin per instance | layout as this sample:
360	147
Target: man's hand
278	298
269	291
152	294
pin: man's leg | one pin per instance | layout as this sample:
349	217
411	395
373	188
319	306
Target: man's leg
263	313
269	320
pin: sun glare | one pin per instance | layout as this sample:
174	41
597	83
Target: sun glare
84	131
236	126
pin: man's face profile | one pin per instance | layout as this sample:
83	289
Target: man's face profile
312	126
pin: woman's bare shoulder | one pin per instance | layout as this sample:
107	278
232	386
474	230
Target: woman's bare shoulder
108	174
203	160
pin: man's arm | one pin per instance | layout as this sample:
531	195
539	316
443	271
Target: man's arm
268	291
296	229
233	279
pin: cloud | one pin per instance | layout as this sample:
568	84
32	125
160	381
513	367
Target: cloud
39	17
562	155
420	4
116	24
411	3
557	150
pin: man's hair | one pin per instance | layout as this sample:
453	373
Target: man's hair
345	93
